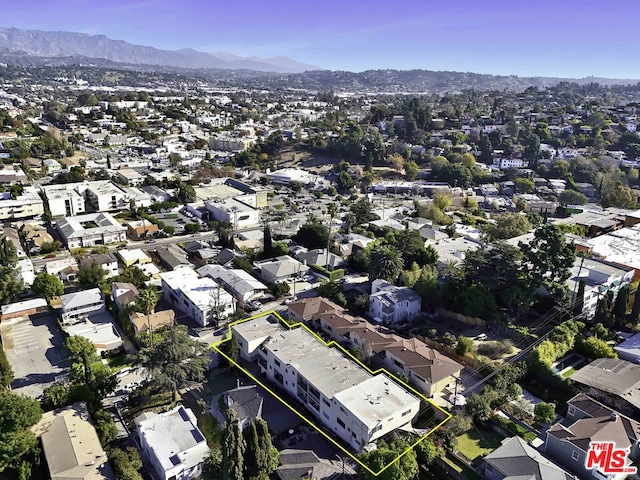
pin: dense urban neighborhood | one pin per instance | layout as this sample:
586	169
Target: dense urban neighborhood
395	285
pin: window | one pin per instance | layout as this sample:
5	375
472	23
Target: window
572	410
353	434
341	423
376	428
324	400
325	415
404	414
277	362
575	455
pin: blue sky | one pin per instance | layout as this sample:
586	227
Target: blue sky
565	38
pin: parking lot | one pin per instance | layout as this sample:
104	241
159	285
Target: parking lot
34	348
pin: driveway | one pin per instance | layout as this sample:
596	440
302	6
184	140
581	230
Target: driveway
34	348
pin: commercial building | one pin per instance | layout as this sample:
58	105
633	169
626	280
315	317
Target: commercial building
349	401
287	175
234	211
91	229
202	298
172	443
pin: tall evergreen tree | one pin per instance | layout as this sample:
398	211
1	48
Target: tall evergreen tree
267	241
254	456
620	305
269	456
232	448
579	306
634	316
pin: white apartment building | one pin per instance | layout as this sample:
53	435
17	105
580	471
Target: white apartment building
91	229
599	277
64	200
104	196
27	205
173	443
76	306
197	296
391	304
351	402
236	281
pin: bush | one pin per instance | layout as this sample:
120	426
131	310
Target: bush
465	345
6	372
334	275
192	227
594	347
279	289
544	412
494	350
125	463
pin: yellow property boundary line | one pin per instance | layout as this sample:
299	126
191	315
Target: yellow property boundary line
332	343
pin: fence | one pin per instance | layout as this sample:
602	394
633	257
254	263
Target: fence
474	321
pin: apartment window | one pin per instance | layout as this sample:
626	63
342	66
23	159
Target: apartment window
353	434
575	456
376	428
277	362
572	410
342	410
324	400
404	414
325	415
341	423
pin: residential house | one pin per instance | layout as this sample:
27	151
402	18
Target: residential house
390	304
107	261
76	306
202	298
143	323
157	194
354	242
172	256
138	229
103	336
534	203
614	382
300	464
64	267
172	443
34	237
237	282
280	269
134	256
90	229
123	294
246	401
515	459
130	177
71	445
307	309
321	257
352	403
568	441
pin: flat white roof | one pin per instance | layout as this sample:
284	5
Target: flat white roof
200	290
375	399
132	255
22	306
621	246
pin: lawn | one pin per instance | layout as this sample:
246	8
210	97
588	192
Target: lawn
459	467
569	372
474	443
119	362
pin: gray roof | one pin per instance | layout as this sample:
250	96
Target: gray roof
298	464
614	376
390	294
247	402
319	257
517	460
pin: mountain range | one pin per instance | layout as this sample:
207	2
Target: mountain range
40	43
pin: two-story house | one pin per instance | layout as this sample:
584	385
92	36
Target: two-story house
390	304
77	306
587	420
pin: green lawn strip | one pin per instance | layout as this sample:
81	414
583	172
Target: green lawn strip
474	443
460	467
118	363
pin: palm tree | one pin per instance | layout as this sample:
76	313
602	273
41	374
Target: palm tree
146	302
386	263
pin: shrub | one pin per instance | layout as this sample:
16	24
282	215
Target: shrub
594	347
465	345
495	350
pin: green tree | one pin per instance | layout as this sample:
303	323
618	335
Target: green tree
525	185
619	196
175	359
147	300
345	181
620	305
507	225
50	247
426	452
411	170
634	316
313	234
549	259
233	448
267	241
362	209
332	291
17	414
280	289
268	461
185	193
254	456
544	412
386	263
47	284
91	274
6	372
126	463
579	306
405	468
478	407
571	197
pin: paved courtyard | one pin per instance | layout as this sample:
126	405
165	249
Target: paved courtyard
34	348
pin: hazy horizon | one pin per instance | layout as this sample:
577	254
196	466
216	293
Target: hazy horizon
566	39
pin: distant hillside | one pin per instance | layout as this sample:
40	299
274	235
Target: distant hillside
64	44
